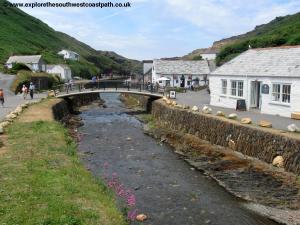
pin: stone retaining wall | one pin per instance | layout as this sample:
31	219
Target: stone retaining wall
67	105
251	141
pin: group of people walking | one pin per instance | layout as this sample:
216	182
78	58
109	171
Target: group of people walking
29	89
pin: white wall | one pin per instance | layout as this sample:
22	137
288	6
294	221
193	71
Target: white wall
176	82
210	56
267	105
64	74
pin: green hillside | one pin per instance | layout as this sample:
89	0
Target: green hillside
24	34
280	31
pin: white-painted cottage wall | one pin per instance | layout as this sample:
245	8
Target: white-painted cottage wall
267	105
209	56
64	74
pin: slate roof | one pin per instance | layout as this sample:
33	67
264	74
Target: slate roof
278	61
178	67
26	59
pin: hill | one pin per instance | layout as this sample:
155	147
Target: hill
24	34
280	31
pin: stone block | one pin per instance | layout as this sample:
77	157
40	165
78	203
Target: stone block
207	110
232	116
220	113
246	121
195	108
278	161
264	123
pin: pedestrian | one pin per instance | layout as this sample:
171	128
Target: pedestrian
2	97
24	91
31	90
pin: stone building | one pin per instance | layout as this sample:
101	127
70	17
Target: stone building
267	80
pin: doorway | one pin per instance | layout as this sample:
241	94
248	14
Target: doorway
255	94
182	81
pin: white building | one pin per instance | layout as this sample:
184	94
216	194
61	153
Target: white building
67	54
33	62
180	73
63	71
267	79
209	54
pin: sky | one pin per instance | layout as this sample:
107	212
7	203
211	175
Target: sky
160	28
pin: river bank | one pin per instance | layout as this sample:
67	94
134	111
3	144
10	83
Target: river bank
274	192
42	178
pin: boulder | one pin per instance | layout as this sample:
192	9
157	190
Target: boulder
186	107
164	98
232	116
4	124
293	128
179	106
220	113
18	110
246	121
264	123
278	161
195	108
51	93
141	217
206	110
174	103
168	102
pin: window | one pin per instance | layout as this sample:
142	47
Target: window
224	87
233	87
281	93
286	93
276	92
237	88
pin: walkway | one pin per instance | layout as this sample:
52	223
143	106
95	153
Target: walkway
12	100
202	98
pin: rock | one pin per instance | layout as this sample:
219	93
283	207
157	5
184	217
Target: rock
231	144
164	98
185	107
207	110
246	121
4	124
232	116
51	93
179	106
220	113
1	130
129	139
169	102
195	108
174	103
141	217
293	128
265	123
278	161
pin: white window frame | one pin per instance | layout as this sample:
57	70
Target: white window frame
237	89
224	87
281	93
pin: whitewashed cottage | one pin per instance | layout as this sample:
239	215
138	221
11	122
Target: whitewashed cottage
33	62
63	71
267	79
180	73
67	54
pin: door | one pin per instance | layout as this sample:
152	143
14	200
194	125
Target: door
255	94
182	81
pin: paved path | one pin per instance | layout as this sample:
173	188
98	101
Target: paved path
202	98
12	100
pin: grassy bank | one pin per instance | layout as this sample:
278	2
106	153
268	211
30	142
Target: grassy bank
43	181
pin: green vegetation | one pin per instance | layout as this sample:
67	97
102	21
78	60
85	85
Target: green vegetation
43	181
22	34
24	77
280	31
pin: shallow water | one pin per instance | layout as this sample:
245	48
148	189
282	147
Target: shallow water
167	189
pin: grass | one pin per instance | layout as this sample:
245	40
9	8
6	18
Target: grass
43	181
23	34
280	31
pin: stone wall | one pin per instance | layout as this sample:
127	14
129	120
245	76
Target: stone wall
68	105
251	141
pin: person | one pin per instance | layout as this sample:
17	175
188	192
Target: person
2	97
31	90
24	91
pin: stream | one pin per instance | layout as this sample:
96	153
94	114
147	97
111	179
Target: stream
167	189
